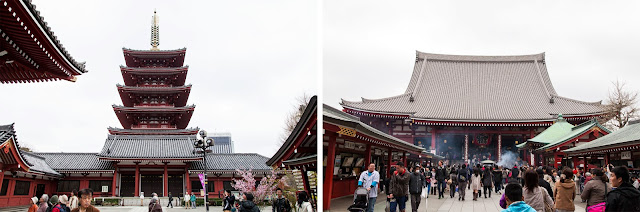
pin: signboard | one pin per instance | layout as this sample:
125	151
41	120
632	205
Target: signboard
105	189
201	176
625	155
349	145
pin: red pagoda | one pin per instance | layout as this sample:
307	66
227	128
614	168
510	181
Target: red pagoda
154	94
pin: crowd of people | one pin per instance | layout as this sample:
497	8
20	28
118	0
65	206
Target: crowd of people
526	188
80	201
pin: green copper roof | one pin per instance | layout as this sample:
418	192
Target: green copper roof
574	132
622	137
556	131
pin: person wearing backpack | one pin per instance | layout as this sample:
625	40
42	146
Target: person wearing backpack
55	205
624	197
462	181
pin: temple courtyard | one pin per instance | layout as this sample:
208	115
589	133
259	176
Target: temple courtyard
443	205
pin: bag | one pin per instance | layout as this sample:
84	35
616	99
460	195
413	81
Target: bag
548	206
424	193
597	207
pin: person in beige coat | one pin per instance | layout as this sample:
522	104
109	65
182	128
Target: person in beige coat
534	195
565	192
476	183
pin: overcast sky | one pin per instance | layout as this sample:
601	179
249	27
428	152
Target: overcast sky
369	46
248	61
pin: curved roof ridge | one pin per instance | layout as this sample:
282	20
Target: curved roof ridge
578	101
32	154
84	153
38	18
481	58
377	100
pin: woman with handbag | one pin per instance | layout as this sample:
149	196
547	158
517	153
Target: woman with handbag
534	195
595	191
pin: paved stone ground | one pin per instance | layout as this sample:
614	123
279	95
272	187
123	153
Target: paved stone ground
443	205
132	209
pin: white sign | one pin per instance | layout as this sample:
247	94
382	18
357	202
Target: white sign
349	145
105	189
625	155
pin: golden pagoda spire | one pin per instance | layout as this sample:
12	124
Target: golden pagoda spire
155	31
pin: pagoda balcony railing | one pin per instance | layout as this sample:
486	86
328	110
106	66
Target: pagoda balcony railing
153	127
154	105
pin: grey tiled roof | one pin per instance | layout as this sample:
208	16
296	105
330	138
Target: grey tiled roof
332	115
626	136
39	164
149	146
233	161
479	88
75	161
6	132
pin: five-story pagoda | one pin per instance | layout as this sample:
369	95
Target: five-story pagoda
153	150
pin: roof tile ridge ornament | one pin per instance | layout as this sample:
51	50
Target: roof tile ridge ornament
365	100
423	69
546	90
588	122
481	58
598	103
155	31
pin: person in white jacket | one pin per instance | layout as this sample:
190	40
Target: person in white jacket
73	200
303	202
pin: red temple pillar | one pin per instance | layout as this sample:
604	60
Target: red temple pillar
433	139
575	162
137	179
1	173
367	156
188	181
165	180
328	176
404	159
606	159
115	178
584	163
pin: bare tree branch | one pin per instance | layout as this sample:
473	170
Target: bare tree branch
293	116
622	106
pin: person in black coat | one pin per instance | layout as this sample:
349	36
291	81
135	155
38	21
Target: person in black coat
228	201
624	197
281	203
543	183
497	179
248	205
441	176
416	183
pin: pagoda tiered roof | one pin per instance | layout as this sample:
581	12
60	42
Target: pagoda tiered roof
29	50
136	147
154	58
478	90
178	116
176	96
132	74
